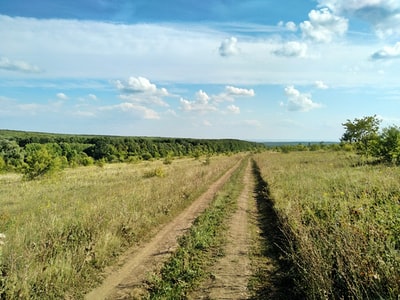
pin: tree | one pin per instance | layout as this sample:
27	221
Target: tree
363	133
389	149
12	153
40	160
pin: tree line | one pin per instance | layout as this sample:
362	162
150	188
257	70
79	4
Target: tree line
35	154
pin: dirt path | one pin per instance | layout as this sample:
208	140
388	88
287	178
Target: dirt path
231	273
126	282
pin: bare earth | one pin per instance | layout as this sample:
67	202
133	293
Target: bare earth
230	275
127	281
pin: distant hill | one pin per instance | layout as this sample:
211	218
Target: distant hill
295	143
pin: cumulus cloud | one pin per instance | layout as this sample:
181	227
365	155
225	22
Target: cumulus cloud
298	101
233	109
141	90
319	84
229	47
291	26
201	104
387	52
231	92
292	49
323	26
18	66
139	85
204	103
234	91
384	15
196	106
62	96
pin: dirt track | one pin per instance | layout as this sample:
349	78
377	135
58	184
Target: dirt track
126	282
232	272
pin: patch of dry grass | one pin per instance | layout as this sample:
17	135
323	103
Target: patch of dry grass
342	220
63	231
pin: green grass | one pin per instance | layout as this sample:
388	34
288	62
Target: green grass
200	246
342	220
61	232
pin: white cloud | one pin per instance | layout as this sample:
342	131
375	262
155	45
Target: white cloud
196	106
319	84
292	49
323	26
141	90
18	66
202	97
387	52
291	26
229	47
384	15
234	91
92	97
62	96
298	101
233	109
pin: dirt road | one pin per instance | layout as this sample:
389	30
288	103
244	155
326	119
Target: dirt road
230	275
126	282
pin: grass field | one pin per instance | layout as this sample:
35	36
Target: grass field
61	232
342	220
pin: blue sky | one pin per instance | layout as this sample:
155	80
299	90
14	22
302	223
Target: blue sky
256	69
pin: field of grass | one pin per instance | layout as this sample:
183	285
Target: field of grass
342	220
61	232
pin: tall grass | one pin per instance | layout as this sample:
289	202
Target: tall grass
342	220
63	231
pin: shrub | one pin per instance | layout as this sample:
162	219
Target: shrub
40	161
157	172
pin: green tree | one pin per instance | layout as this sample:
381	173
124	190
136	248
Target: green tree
363	133
12	153
40	160
389	149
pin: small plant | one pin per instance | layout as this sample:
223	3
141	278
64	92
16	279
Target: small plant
156	172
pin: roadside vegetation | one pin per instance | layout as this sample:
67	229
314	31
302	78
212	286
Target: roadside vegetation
341	220
200	247
59	233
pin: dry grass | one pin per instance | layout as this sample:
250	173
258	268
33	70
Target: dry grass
342	221
63	231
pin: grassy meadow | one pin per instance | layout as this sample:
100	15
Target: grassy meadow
62	231
341	219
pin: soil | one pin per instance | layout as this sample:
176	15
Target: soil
136	264
230	275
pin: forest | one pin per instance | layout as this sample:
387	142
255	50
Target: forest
35	154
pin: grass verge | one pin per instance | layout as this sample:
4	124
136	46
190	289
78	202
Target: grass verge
341	220
198	248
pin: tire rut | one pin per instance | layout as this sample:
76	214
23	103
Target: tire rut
230	275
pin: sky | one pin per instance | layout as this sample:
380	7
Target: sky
248	69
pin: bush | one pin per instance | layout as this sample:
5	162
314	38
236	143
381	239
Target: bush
39	161
157	172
